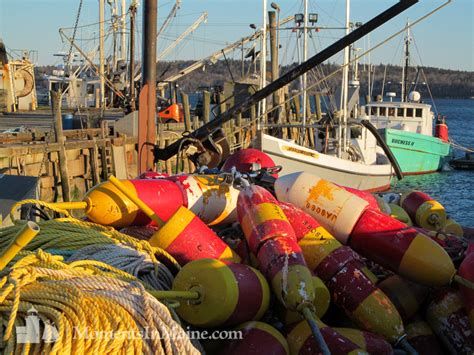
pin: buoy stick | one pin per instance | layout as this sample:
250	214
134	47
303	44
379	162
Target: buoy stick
23	237
140	204
78	205
405	345
465	282
171	295
318	337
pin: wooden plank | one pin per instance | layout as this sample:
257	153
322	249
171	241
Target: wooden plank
119	161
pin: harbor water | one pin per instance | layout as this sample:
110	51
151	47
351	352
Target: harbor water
454	189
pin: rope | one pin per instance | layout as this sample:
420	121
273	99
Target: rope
82	310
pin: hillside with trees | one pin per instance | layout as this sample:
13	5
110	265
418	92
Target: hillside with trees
443	83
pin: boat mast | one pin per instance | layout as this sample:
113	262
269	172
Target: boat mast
263	61
406	65
304	76
345	88
123	30
102	53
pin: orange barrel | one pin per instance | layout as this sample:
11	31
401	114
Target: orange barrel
367	196
402	249
301	341
339	268
442	131
466	271
423	210
209	198
272	239
258	338
453	227
106	205
187	238
448	319
248	160
336	209
370	342
321	303
230	293
405	295
399	213
422	338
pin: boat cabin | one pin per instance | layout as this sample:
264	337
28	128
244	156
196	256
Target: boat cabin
408	116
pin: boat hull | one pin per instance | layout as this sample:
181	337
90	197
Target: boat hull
295	158
417	153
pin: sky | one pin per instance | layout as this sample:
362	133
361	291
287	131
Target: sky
444	40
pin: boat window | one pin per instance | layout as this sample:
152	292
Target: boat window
373	110
391	111
400	112
383	111
419	112
409	112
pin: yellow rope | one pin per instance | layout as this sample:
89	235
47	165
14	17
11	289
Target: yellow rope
95	308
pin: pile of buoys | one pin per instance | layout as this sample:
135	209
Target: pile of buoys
303	277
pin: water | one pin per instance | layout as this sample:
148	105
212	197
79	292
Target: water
453	189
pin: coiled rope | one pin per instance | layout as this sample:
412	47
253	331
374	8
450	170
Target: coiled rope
91	311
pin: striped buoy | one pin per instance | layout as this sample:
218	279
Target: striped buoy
258	338
370	342
209	197
448	319
108	206
231	293
187	238
301	341
402	249
453	227
272	239
423	210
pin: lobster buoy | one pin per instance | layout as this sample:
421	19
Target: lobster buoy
187	238
422	338
230	293
402	249
248	160
448	319
405	295
257	338
209	197
302	342
372	343
336	209
423	210
106	205
321	303
341	271
272	239
399	213
378	237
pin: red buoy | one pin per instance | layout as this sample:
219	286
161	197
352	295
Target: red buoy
248	160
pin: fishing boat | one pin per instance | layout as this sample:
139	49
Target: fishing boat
372	172
407	128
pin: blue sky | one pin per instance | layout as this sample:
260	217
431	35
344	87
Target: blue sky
444	40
